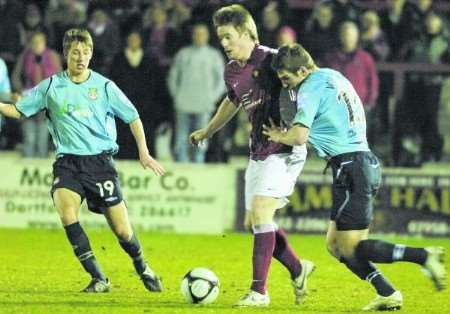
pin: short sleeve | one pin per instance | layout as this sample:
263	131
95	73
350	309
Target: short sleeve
34	100
121	106
307	106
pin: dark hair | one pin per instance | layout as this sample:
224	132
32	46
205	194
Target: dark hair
291	58
239	17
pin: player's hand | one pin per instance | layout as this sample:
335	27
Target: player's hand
197	137
147	161
273	132
15	97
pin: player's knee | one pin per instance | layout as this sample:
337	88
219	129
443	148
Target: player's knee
263	209
124	234
363	249
261	217
68	216
346	250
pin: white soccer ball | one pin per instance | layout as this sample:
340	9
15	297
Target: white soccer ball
200	286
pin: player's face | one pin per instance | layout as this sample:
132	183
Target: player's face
233	42
78	57
290	79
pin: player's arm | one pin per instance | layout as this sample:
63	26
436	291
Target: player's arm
224	113
147	161
10	111
296	135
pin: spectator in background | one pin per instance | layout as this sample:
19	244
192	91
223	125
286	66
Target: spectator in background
286	36
373	39
421	106
196	83
346	10
270	24
33	22
5	88
136	73
35	64
10	14
61	15
358	66
160	40
320	31
394	22
106	36
179	14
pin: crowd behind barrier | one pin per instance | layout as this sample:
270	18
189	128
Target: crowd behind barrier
165	56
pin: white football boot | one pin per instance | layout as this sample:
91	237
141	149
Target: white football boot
299	283
390	303
434	267
253	299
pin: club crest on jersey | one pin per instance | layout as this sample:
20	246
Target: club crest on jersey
255	73
92	93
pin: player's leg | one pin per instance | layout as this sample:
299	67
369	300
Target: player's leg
67	204
354	183
262	211
430	258
117	217
288	169
347	241
267	184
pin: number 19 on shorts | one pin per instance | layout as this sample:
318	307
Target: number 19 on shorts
107	185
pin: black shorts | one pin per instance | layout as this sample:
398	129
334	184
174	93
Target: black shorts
94	178
356	180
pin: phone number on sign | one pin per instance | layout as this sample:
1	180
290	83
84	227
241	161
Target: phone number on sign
155	211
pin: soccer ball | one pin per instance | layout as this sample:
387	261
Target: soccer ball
200	286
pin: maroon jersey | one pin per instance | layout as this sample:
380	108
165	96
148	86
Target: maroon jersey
256	88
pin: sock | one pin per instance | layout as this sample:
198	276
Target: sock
263	246
284	253
133	248
365	270
82	249
384	252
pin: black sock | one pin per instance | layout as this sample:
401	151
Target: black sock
82	249
384	252
365	270
133	248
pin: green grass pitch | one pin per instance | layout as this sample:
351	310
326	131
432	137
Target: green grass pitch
39	274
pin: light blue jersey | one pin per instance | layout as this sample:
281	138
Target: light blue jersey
80	115
328	105
5	85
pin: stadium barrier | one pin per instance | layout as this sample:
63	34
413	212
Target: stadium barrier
188	199
409	202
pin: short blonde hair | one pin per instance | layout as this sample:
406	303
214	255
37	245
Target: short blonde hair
239	17
76	34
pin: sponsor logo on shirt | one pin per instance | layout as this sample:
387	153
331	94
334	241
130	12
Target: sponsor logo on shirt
92	93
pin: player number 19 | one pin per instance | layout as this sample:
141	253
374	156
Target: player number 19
107	185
